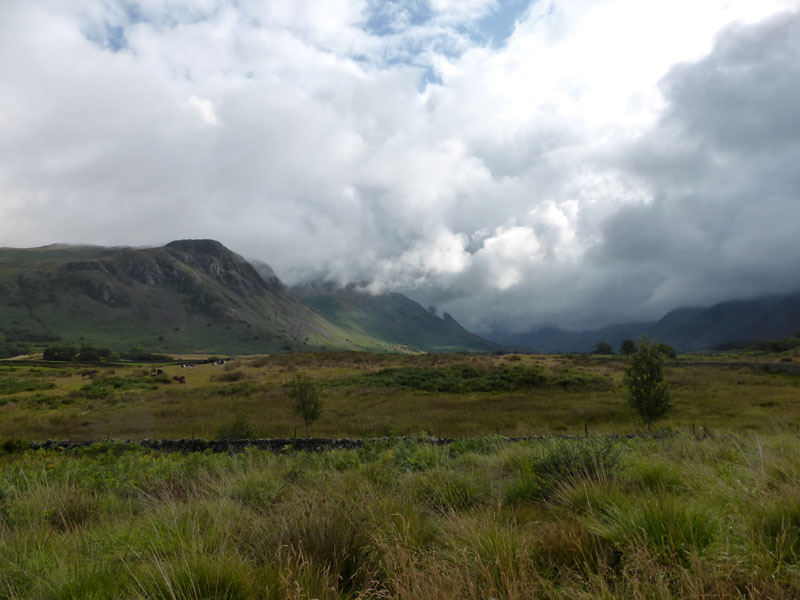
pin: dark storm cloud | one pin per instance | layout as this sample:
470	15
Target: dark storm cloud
722	165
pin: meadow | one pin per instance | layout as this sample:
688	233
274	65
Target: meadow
708	508
371	395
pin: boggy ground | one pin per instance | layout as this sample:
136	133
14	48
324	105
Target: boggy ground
677	517
369	395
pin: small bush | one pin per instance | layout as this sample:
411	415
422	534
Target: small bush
458	378
239	429
230	376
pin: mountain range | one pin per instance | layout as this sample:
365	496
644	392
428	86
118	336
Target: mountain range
735	323
197	295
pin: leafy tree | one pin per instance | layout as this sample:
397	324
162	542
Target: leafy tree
62	353
603	348
648	393
627	347
305	395
666	350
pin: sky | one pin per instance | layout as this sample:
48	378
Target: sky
515	163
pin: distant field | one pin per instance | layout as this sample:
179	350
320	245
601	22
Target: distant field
368	395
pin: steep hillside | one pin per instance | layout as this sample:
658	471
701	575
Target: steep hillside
391	317
188	295
737	322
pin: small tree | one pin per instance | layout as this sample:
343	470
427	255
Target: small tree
603	348
305	395
666	350
648	393
627	347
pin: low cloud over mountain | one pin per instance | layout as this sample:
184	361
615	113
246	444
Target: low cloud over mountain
516	164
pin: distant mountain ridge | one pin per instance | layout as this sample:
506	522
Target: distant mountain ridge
189	295
730	323
390	316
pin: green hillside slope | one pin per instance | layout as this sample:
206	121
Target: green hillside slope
190	295
392	317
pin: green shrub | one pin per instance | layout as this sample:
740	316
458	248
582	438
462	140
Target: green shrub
239	429
458	378
230	376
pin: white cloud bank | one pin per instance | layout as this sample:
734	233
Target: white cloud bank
607	161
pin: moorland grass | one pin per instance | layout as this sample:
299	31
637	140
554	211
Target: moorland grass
369	395
675	517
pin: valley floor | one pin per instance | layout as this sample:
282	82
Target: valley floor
709	509
371	395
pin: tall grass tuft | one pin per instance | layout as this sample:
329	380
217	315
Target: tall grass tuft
670	530
541	472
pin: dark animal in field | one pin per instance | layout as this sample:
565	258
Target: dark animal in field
179	378
88	373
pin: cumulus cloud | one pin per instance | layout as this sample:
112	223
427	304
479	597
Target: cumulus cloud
601	160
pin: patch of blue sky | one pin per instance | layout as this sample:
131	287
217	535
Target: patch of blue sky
497	26
108	36
394	16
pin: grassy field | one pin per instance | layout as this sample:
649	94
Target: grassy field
368	395
683	515
658	518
